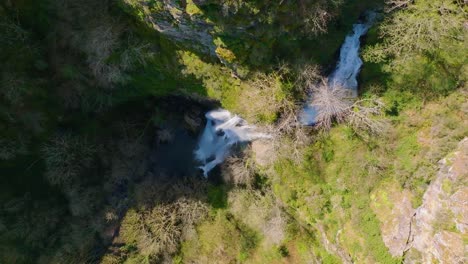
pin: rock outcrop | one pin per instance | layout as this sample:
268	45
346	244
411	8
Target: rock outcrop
392	205
437	230
171	18
440	223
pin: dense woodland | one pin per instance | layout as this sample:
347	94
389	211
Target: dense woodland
93	94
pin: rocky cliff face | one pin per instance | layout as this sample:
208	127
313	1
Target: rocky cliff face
392	205
437	230
176	20
440	223
235	32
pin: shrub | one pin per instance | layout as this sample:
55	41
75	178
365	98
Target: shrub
266	96
218	240
334	103
260	212
161	229
331	103
238	171
13	87
66	156
10	148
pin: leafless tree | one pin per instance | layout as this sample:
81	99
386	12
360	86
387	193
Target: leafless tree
260	211
238	171
365	116
161	229
12	32
101	41
317	20
288	130
65	156
334	103
308	77
13	87
392	5
331	103
11	148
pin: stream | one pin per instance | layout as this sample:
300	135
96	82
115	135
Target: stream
223	129
348	66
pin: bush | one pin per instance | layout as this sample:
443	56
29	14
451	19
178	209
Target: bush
260	212
334	103
266	96
219	240
422	47
160	230
66	156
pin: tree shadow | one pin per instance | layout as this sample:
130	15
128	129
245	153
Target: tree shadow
79	219
167	194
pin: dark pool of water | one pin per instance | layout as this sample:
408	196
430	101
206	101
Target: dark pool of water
175	158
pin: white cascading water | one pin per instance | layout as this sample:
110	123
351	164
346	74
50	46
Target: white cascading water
222	131
348	67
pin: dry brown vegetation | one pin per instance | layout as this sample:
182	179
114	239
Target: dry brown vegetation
331	102
264	96
65	156
334	104
261	212
392	5
110	51
238	171
161	229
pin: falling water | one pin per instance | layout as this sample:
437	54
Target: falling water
348	67
222	131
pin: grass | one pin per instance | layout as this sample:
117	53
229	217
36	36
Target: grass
217	196
338	182
334	183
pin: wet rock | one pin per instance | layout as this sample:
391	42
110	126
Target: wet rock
193	122
165	136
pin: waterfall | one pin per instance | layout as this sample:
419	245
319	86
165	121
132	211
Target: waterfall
348	67
222	131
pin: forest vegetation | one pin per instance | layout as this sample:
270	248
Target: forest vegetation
93	93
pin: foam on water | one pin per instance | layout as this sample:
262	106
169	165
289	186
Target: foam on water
348	67
222	131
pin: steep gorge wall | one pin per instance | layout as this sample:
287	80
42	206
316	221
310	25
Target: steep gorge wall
436	230
241	32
